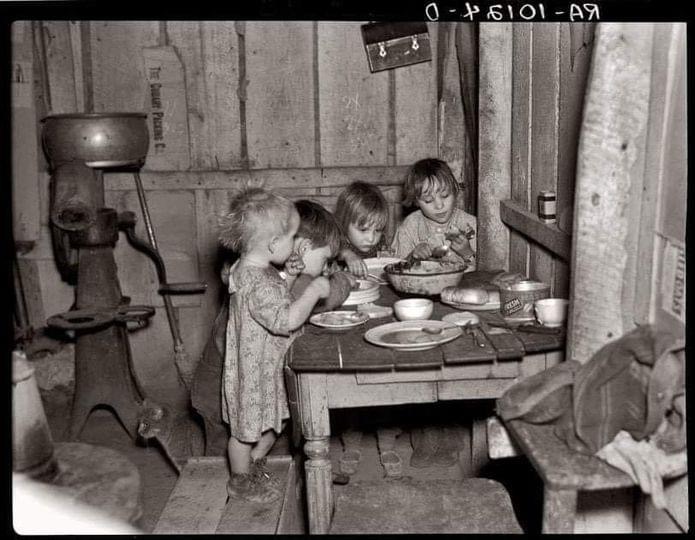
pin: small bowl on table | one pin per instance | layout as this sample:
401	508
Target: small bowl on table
413	309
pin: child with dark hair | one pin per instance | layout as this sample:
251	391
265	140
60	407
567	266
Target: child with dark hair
430	185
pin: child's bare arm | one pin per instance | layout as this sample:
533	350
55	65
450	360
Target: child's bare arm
354	262
301	308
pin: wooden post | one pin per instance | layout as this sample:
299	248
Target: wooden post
494	170
615	117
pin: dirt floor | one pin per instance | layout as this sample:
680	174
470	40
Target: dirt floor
158	476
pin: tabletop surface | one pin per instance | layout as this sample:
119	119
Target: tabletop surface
321	349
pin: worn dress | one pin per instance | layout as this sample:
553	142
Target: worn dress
416	228
253	389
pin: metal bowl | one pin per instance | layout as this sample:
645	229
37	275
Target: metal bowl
425	277
101	140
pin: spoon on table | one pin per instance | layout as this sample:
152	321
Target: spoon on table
471	330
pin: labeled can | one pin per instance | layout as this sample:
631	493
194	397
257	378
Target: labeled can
516	299
546	206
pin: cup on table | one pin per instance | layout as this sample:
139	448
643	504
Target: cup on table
551	311
413	309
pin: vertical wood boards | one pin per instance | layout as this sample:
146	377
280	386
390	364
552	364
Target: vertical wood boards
495	134
660	289
25	164
615	115
280	93
576	43
416	110
118	78
545	94
451	126
167	111
521	138
75	31
60	66
209	52
353	102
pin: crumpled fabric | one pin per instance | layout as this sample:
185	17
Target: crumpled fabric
629	384
645	463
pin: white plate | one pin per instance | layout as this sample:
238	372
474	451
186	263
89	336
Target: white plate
462	318
368	292
475	307
339	319
398	335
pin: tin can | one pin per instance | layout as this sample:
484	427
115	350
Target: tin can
547	206
516	300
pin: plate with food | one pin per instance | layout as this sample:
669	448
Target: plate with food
471	298
413	335
362	292
339	319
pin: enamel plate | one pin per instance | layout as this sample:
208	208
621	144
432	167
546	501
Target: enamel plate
339	319
410	336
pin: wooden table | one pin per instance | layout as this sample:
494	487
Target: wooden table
341	369
564	473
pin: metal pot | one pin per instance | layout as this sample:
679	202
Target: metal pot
425	277
100	140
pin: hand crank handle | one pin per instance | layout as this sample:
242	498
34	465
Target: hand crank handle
126	221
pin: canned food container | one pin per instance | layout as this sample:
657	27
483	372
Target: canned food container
516	300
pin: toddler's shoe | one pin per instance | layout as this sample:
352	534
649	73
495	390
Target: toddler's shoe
393	465
349	461
248	487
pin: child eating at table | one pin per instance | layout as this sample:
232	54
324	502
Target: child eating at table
317	241
363	215
261	227
430	185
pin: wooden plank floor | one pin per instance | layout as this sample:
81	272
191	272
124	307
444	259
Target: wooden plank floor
197	503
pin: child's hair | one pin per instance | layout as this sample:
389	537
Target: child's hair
318	225
425	175
253	212
362	204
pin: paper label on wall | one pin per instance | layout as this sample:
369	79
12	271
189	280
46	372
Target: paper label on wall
168	114
673	280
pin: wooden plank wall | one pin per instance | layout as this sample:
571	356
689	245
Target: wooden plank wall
550	69
287	105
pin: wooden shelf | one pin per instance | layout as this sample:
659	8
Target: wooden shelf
527	223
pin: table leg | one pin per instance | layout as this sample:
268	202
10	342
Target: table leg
318	485
313	403
559	509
